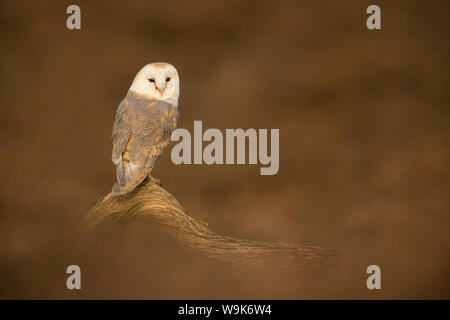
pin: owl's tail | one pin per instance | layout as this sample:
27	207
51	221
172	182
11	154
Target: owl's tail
129	176
119	190
116	190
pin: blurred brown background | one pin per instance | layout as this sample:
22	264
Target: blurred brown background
364	144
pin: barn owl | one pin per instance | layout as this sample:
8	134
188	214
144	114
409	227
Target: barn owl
143	125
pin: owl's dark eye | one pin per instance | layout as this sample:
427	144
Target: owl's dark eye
167	79
151	80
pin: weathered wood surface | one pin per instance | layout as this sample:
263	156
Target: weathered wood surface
153	205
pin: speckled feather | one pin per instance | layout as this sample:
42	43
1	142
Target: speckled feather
141	132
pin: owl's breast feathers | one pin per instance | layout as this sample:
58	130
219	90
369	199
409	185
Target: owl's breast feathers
141	132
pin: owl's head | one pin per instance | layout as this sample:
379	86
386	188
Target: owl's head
158	81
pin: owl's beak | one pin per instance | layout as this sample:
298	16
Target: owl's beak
160	89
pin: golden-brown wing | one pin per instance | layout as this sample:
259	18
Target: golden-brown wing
150	124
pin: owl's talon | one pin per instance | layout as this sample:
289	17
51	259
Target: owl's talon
154	180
